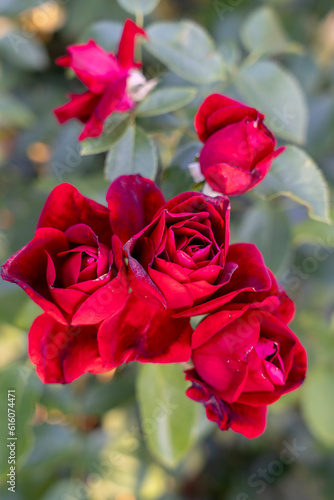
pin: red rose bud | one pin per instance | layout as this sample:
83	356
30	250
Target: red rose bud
107	78
245	358
238	148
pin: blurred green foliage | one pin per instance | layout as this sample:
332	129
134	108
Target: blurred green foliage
87	440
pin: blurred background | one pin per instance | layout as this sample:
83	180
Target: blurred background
84	441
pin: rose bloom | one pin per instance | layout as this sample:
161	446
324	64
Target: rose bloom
73	269
182	260
245	357
238	148
111	81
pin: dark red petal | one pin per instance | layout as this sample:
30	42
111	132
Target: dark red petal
107	102
126	48
66	207
247	273
144	334
133	202
111	99
64	61
274	301
217	111
68	300
218	209
227	179
93	65
213	324
292	354
81	106
225	374
228	145
93	128
62	353
260	140
246	419
106	301
81	234
28	267
223	117
251	274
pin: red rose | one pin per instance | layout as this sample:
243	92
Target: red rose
73	266
107	78
238	148
245	358
178	259
179	256
73	269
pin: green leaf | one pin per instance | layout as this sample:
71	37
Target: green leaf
269	229
138	6
186	154
114	129
262	33
187	50
296	175
66	489
134	154
318	404
276	93
13	113
310	231
165	100
24	52
105	33
231	53
170	420
175	180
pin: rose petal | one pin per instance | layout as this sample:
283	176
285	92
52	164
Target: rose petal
144	334
133	202
106	301
66	207
28	267
81	106
126	48
62	353
92	65
217	111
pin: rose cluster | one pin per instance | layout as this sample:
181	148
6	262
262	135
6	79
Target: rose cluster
120	283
